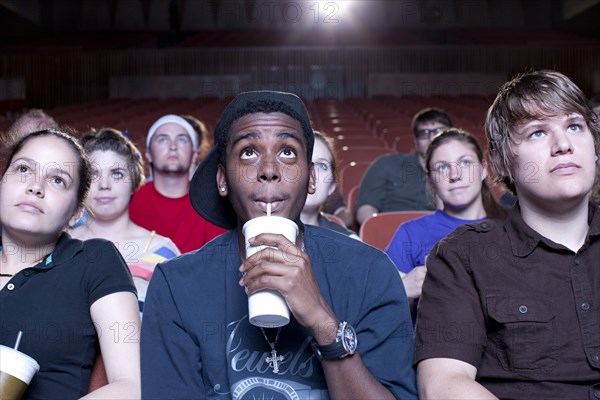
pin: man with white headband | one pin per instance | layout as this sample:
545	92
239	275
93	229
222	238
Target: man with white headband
163	204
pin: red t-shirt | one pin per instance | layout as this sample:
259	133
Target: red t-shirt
173	218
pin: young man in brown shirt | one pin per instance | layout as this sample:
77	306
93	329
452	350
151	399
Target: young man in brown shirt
508	308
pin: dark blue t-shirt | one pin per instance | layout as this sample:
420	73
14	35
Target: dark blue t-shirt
197	342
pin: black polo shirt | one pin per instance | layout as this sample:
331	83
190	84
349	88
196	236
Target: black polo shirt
50	303
522	309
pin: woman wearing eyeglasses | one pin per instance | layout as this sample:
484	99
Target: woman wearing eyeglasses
456	171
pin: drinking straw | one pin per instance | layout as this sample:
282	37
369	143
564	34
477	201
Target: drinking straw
18	340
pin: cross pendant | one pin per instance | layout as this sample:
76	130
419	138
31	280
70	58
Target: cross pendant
274	361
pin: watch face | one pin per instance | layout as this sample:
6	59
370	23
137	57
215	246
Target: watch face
349	339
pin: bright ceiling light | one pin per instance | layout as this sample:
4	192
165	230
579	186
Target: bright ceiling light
333	6
329	11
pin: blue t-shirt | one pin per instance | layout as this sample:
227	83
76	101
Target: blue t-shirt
414	239
197	342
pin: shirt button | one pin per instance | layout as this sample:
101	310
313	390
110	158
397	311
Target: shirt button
597	394
585	306
10	286
577	262
595	358
522	309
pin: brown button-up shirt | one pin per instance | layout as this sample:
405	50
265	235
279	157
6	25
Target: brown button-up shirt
522	309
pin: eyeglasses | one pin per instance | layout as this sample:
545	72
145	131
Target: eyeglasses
427	133
443	168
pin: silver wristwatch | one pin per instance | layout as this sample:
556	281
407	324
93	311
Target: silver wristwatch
345	344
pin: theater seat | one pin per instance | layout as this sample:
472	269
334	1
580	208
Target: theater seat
379	229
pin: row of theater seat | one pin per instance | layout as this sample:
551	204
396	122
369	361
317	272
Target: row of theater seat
363	128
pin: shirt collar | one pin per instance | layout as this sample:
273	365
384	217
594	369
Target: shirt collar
594	221
65	250
524	239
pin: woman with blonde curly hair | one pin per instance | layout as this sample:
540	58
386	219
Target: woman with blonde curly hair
117	172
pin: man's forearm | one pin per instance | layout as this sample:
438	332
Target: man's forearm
445	378
349	378
453	387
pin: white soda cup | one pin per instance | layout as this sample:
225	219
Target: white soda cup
16	371
267	308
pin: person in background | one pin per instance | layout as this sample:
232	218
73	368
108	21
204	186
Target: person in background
456	171
197	341
163	204
202	135
68	297
117	172
30	121
325	165
396	182
509	308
